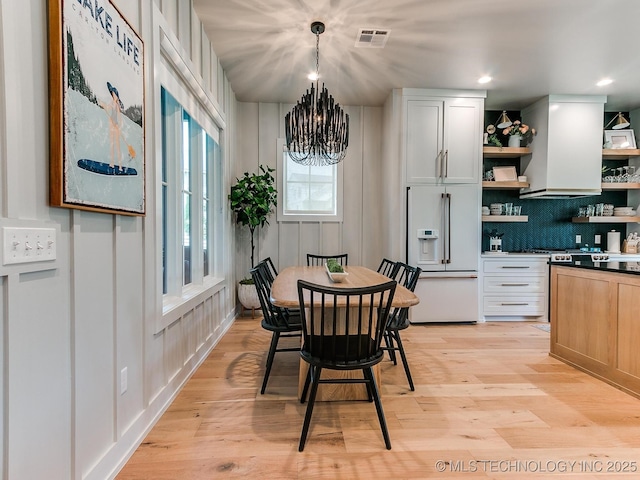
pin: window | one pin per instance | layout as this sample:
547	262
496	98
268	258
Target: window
308	193
191	177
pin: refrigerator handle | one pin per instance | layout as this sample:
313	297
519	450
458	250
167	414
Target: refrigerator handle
445	239
406	223
448	228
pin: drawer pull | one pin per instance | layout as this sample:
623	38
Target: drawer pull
516	266
513	304
515	284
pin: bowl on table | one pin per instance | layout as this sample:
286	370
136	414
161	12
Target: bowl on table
336	277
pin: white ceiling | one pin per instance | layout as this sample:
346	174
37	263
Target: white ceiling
530	48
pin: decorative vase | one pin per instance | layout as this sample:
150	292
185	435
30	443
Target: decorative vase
514	140
248	297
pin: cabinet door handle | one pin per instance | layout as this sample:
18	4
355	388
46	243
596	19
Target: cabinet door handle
513	304
515	284
439	164
515	266
446	163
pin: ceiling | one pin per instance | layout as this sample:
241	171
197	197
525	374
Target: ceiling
531	49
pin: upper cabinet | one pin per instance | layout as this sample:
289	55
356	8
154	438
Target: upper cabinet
442	137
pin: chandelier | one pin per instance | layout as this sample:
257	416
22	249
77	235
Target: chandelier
317	129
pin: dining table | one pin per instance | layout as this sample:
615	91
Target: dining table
284	294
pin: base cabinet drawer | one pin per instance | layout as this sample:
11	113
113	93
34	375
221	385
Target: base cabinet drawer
515	267
515	305
519	285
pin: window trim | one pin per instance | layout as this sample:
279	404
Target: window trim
305	217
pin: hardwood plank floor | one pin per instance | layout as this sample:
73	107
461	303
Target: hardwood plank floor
489	403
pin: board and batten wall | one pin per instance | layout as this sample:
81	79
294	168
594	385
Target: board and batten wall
259	126
69	328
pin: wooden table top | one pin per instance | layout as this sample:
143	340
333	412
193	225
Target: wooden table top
284	291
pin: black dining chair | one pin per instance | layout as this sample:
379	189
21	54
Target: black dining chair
319	260
407	276
347	337
279	321
388	267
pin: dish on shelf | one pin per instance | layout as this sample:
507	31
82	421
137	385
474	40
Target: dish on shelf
623	212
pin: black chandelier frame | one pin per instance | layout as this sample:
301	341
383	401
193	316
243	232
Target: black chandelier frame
317	129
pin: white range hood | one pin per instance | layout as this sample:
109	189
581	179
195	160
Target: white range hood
566	154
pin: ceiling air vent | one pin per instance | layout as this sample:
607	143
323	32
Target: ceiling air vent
372	38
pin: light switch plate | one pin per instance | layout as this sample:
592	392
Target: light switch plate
26	245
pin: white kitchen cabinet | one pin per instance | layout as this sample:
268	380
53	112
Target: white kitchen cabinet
515	287
442	139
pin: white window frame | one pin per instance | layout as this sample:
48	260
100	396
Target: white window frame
282	216
178	295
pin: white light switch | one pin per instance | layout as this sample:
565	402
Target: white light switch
25	245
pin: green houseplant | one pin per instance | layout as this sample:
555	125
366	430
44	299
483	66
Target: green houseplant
253	198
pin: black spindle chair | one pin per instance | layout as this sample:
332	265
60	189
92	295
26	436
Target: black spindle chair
407	276
343	329
279	321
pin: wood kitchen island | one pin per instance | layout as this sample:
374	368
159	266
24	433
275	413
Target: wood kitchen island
595	320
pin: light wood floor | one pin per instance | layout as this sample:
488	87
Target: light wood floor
489	402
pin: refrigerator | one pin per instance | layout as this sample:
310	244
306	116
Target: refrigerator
443	239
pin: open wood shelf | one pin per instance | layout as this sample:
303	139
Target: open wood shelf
504	185
505	218
609	219
616	186
505	152
620	153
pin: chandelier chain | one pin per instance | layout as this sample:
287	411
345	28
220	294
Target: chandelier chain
317	56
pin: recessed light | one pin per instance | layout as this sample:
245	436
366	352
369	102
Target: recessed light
604	81
485	79
313	76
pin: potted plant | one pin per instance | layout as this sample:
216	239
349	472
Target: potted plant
519	134
252	199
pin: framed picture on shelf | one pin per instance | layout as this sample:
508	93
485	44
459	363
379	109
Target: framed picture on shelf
505	174
96	109
619	139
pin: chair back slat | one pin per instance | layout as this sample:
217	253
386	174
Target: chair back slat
407	276
272	315
388	268
314	260
270	269
344	327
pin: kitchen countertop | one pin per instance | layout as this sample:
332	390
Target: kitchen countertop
610	266
513	254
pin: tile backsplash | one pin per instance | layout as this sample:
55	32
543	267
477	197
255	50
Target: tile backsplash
549	224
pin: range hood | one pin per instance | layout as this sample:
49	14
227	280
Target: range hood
566	154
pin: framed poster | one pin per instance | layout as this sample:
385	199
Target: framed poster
96	108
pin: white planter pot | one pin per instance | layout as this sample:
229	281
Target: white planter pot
514	140
248	297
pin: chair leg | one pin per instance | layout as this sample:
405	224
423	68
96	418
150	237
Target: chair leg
388	338
376	397
315	376
405	363
305	389
272	352
368	385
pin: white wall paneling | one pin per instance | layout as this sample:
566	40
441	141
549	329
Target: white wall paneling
69	330
261	125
